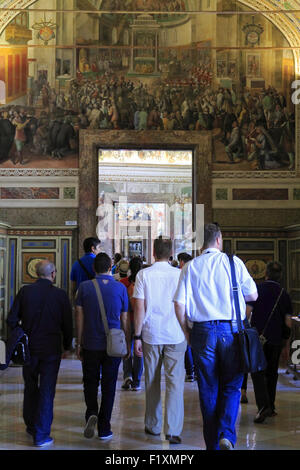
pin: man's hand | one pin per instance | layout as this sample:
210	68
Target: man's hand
138	348
182	320
187	335
128	355
138	319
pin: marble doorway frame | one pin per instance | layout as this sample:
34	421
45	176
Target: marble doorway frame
91	140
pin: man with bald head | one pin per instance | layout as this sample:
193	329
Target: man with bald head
45	314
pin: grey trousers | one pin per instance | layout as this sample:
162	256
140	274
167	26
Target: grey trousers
171	356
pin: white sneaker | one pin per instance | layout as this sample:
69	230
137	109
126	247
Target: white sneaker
104	437
89	429
225	444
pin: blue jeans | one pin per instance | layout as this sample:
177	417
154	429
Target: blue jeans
216	358
133	367
40	378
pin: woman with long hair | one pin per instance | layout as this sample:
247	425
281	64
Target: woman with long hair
133	366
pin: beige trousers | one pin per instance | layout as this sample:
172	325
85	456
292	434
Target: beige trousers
171	356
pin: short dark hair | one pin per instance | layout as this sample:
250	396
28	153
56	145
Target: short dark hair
274	271
211	233
117	257
89	243
135	265
102	263
185	257
162	247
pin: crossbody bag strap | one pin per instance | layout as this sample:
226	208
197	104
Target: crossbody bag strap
235	293
273	310
101	305
85	270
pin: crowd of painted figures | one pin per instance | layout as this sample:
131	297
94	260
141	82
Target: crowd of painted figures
144	5
252	126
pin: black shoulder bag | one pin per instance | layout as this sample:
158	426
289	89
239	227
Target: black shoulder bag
17	347
252	358
21	354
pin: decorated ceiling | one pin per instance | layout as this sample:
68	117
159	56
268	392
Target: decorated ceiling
285	16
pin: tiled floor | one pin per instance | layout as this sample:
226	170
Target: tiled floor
278	433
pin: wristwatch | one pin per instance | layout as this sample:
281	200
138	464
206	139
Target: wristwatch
137	337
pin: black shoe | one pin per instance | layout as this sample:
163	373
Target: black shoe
173	439
136	387
127	383
190	378
147	431
262	415
30	431
244	398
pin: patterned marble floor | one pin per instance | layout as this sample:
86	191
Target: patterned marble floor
279	433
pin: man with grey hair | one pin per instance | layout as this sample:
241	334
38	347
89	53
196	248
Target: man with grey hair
45	314
205	297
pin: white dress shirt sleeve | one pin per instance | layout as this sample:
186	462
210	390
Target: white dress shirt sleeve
180	294
138	292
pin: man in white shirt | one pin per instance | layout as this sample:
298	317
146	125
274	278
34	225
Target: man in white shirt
205	295
159	338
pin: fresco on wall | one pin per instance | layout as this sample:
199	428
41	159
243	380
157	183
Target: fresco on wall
256	265
142	71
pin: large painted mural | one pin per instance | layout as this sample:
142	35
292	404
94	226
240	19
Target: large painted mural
145	64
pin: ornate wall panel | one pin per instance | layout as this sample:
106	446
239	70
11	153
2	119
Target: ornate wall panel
26	246
294	270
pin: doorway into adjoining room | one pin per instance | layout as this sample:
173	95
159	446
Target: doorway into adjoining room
145	193
144	167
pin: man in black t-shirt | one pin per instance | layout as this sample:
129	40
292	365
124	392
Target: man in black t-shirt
273	324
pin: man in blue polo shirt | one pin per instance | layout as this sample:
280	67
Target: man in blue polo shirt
82	269
91	341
